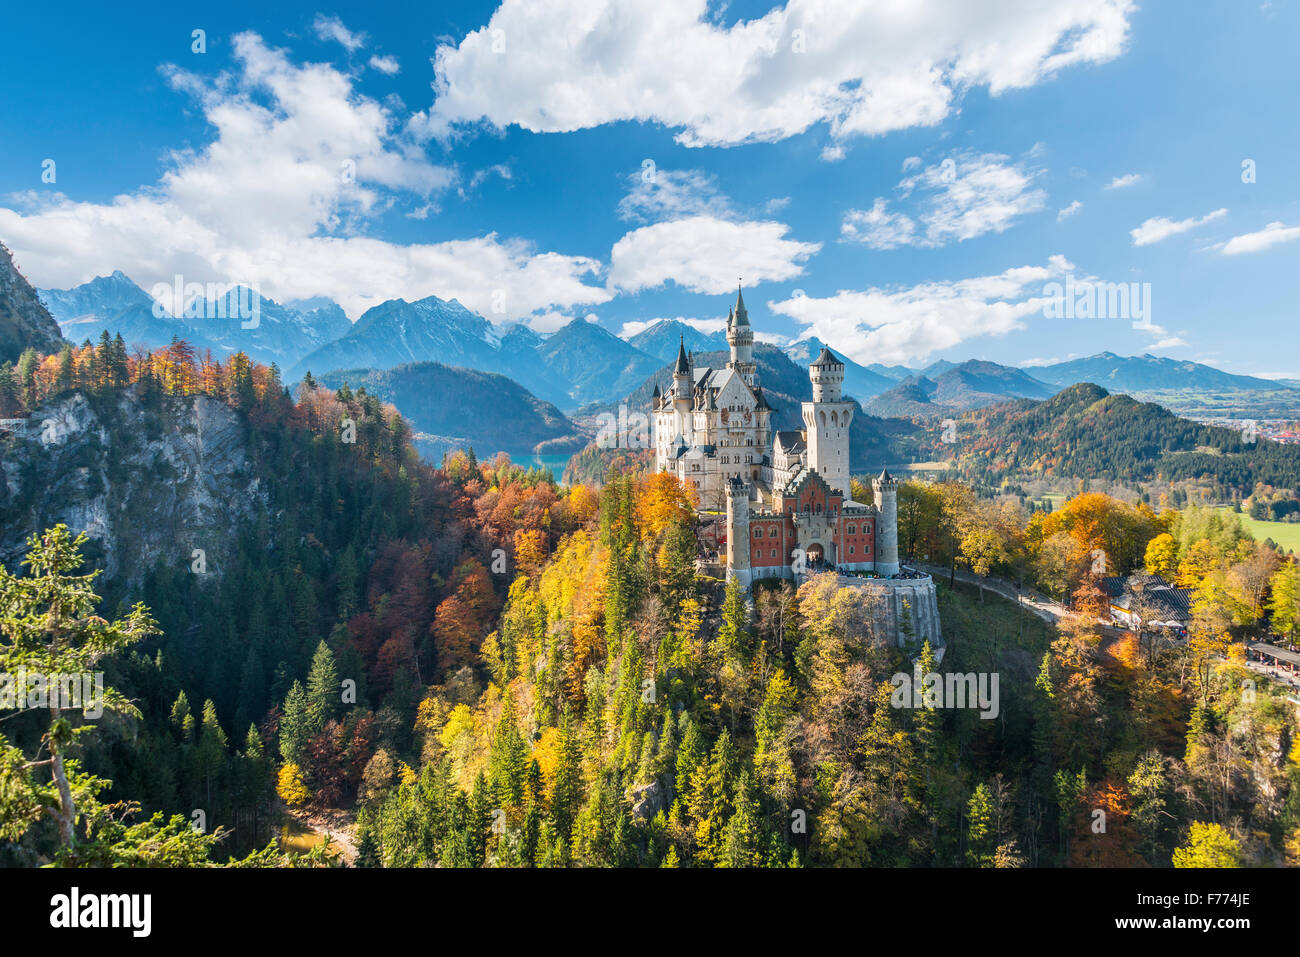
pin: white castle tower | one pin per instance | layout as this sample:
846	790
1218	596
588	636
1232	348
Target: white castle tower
683	395
738	531
741	339
826	421
886	489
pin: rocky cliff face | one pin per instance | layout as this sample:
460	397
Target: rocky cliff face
148	482
24	322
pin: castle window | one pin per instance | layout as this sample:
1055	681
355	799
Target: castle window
853	529
774	553
850	549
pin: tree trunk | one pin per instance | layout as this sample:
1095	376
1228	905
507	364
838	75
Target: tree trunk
67	813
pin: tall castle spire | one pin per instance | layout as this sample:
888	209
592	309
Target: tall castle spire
742	314
741	339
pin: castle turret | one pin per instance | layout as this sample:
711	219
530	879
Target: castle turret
682	372
886	489
826	424
741	339
738	531
683	394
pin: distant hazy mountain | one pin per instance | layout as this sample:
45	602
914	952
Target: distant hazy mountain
1148	373
102	296
661	339
116	304
897	373
579	363
274	333
455	407
398	332
859	381
936	368
282	334
910	399
24	322
596	363
970	385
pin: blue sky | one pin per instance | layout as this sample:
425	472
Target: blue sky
903	180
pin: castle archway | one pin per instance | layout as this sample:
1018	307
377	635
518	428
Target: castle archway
815	553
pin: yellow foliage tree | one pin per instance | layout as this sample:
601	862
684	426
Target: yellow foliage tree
1162	554
1208	845
663	500
290	786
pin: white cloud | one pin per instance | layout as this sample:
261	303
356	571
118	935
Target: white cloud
659	194
964	196
1158	227
911	323
878	227
863	69
299	163
481	176
332	28
386	64
706	254
632	327
1172	342
1125	181
1270	235
1068	211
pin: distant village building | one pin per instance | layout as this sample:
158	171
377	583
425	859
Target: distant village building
1147	601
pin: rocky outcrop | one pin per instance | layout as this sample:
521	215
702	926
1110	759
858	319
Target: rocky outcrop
24	322
647	800
168	481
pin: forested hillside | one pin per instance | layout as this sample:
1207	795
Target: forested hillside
476	667
1085	431
451	408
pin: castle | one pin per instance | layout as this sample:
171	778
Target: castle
787	495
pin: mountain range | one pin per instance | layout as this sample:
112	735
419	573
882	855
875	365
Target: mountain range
860	381
1148	373
970	385
581	364
450	408
661	339
268	333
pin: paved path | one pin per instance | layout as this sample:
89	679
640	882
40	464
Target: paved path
1042	606
1051	611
